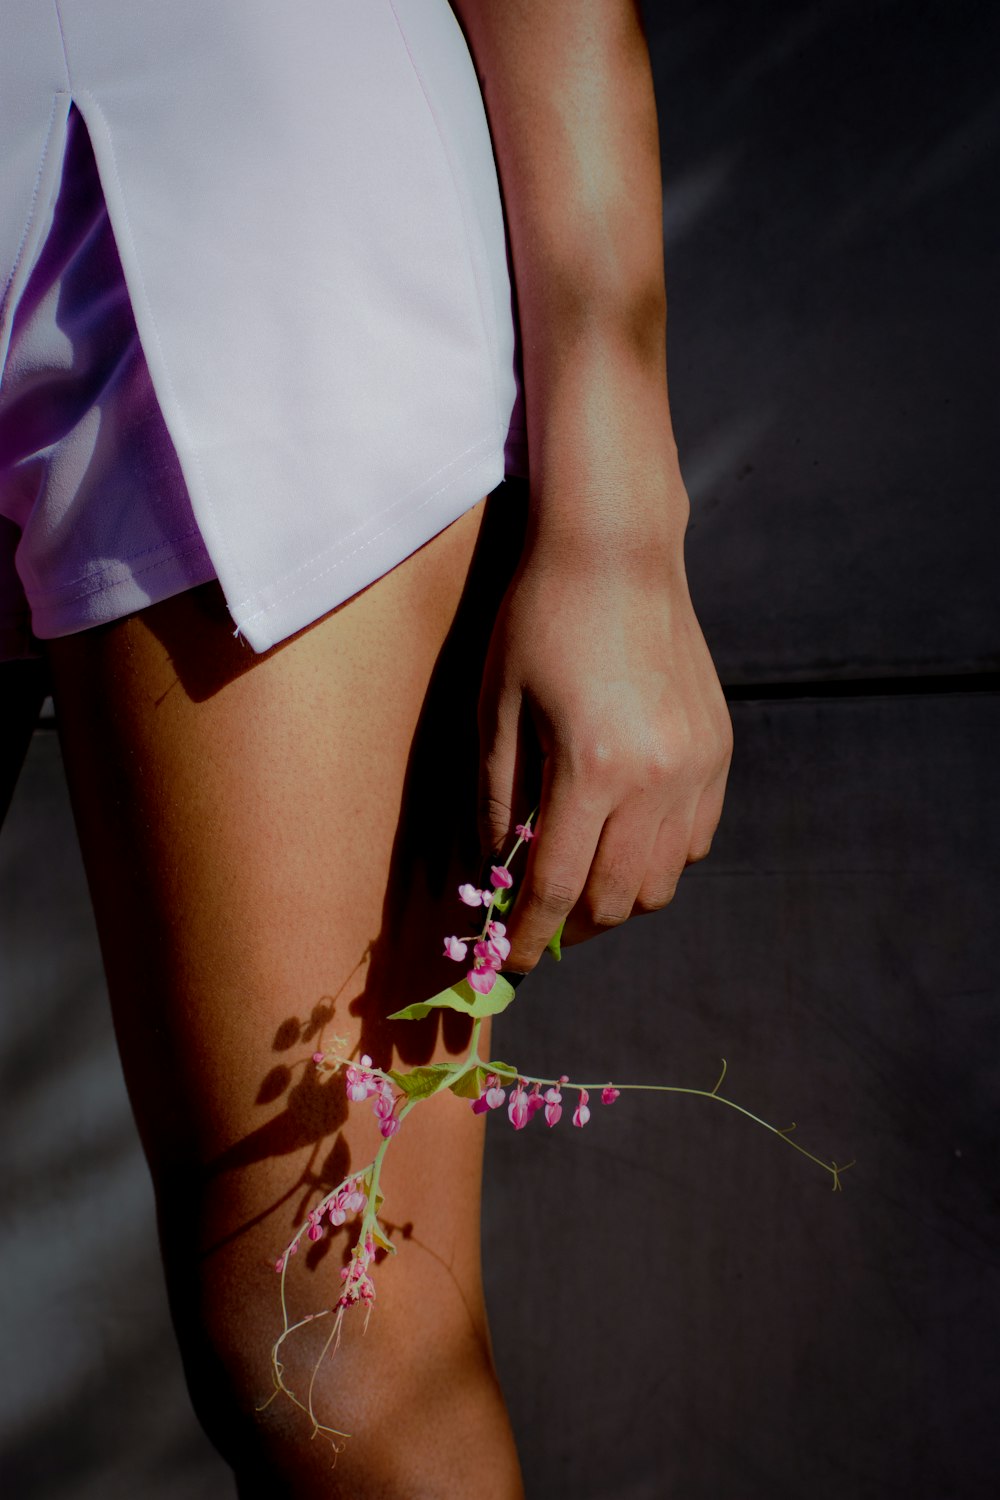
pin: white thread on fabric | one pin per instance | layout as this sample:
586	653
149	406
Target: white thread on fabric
6	299
339	563
362	546
488	322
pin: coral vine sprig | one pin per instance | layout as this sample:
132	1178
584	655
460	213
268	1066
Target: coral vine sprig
490	946
485	1083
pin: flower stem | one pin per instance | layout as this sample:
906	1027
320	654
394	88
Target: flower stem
668	1088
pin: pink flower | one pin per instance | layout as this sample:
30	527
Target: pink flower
359	1286
492	1096
553	1107
319	1057
501	878
385	1106
355	1200
524	831
517	1110
487	955
455	948
360	1080
471	895
609	1094
500	947
282	1261
582	1114
496	930
535	1101
481	980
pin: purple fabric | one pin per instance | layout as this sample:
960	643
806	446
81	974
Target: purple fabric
98	521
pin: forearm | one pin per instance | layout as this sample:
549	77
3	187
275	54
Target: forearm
569	95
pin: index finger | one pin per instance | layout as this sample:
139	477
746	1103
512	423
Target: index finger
568	825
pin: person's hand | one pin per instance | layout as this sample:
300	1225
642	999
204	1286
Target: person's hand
600	662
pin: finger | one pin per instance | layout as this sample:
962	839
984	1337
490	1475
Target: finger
706	818
680	843
624	853
569	826
501	772
666	864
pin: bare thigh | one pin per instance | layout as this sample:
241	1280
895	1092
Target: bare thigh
272	844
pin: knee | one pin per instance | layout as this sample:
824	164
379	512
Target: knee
414	1400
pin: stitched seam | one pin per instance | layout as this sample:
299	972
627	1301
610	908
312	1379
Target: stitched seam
170	541
355	551
62	43
389	510
29	219
486	323
104	583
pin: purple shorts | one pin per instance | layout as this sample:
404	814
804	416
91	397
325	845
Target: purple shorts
95	520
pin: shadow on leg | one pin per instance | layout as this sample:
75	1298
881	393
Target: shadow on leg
271	844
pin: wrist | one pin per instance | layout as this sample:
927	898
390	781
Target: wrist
598	385
605	479
633	526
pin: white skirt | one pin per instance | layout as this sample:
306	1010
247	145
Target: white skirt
305	205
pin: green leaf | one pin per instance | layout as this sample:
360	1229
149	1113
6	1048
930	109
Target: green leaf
462	997
381	1238
506	1071
554	944
470	1085
421	1083
379	1199
503	901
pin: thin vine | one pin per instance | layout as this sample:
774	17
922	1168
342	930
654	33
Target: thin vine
484	991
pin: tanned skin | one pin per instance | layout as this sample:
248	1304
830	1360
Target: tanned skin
271	841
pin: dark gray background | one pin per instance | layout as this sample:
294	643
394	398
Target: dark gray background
681	1306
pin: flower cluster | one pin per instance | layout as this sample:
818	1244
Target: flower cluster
486	1083
349	1198
366	1082
524	1105
358	1285
490	946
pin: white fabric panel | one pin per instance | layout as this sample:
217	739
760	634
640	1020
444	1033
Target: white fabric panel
305	203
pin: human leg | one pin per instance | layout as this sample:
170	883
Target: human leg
23	686
269	846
